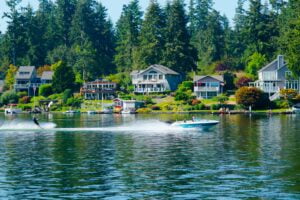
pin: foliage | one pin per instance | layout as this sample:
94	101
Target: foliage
179	55
290	35
122	80
250	96
127	32
184	91
74	102
22	94
45	90
24	100
288	94
66	95
221	98
63	78
229	80
144	110
42	69
10	76
243	81
9	97
255	62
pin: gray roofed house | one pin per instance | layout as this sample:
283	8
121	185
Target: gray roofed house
25	72
156	78
276	76
208	86
47	77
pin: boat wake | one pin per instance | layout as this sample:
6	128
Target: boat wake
139	126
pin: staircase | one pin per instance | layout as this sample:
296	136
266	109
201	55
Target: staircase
275	96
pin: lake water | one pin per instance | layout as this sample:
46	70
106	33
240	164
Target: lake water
139	157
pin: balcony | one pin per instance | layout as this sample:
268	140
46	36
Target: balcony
98	90
206	89
151	81
266	87
149	90
27	86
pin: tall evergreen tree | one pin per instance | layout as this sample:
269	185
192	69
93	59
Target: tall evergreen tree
151	39
290	35
179	54
65	12
127	33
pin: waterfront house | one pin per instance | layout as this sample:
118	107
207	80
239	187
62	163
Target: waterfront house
46	77
1	86
275	76
155	79
99	89
209	86
27	80
133	105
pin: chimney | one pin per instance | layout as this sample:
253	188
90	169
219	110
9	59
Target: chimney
280	59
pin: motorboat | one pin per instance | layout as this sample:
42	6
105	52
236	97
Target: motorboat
12	110
92	112
296	109
195	123
72	112
107	111
128	111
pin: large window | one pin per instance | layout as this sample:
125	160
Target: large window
269	75
214	84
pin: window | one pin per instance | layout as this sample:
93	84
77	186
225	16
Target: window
160	77
145	77
288	75
214	84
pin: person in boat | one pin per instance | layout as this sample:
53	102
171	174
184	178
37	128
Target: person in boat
36	121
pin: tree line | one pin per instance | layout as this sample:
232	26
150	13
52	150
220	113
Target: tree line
187	38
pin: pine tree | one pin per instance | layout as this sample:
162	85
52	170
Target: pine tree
151	39
65	11
290	36
178	55
63	78
127	33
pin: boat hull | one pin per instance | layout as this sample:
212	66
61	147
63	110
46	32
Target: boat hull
196	124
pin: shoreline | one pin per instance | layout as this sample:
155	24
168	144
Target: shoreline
213	112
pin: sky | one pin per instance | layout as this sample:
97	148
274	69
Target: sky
114	7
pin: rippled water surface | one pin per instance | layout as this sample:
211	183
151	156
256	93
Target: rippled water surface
140	157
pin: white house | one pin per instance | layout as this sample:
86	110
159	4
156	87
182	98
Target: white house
156	78
206	87
275	76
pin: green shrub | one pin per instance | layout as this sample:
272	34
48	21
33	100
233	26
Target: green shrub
155	107
200	106
45	90
74	102
66	95
22	94
215	106
24	100
25	107
250	96
9	97
144	110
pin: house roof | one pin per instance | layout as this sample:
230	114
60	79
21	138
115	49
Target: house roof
273	64
161	68
47	75
217	77
25	72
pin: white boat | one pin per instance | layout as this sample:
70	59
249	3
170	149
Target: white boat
12	110
296	109
195	124
107	111
128	111
72	112
92	112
